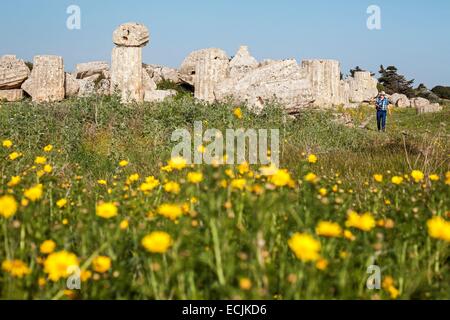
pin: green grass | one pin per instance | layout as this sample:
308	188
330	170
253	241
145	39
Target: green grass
236	234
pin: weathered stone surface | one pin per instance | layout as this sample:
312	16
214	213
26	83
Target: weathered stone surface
419	102
87	86
147	82
324	76
158	95
188	66
400	100
131	34
13	72
242	62
11	95
283	81
71	85
126	73
161	73
433	107
103	87
363	87
46	82
87	69
210	70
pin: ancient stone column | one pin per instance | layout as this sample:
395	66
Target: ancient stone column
324	76
211	68
46	83
126	64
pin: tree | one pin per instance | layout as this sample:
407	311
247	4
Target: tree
442	91
393	82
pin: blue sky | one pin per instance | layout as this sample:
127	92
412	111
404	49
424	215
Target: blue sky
414	35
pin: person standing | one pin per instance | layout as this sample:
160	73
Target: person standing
382	104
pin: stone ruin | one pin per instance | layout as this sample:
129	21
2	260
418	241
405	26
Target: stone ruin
209	73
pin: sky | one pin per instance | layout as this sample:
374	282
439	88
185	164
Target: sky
414	34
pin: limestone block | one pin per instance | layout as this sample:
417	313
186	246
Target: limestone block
419	102
158	95
87	69
11	95
363	87
71	85
126	73
433	107
282	81
47	79
13	72
400	100
131	34
242	62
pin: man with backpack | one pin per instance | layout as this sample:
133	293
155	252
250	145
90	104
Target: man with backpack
382	104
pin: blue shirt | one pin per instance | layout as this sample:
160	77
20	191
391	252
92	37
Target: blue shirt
382	104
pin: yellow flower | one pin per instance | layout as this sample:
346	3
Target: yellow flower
85	275
60	264
177	163
16	268
311	177
417	175
378	177
106	210
101	264
322	264
397	180
61	202
281	178
15	180
34	193
245	284
328	229
388	285
48	168
323	192
243	167
439	228
170	211
47	247
172	187
8	206
157	242
14	155
195	177
102	182
312	158
447	178
238	184
237	113
124	225
40	160
48	148
364	222
40	173
349	235
305	247
133	178
434	177
149	184
7	144
123	163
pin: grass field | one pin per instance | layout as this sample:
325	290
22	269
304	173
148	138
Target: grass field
89	182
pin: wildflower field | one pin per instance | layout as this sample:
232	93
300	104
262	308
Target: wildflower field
88	189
